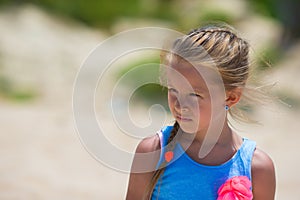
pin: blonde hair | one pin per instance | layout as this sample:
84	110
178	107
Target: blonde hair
217	46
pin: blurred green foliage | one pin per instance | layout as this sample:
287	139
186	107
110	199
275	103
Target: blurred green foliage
216	15
152	94
286	12
5	85
265	7
101	13
8	91
92	12
152	63
143	71
268	57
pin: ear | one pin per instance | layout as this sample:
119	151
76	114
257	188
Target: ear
233	96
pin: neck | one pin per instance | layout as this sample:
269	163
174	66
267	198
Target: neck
207	140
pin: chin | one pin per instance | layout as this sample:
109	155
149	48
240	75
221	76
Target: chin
189	128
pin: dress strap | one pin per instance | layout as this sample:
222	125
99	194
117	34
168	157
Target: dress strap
163	134
246	153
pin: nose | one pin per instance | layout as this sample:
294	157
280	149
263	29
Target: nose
181	105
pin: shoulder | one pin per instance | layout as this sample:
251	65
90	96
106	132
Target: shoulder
148	144
146	155
143	167
263	175
262	163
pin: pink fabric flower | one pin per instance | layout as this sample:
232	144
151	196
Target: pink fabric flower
236	188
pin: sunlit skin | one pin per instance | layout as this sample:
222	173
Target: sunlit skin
191	105
189	98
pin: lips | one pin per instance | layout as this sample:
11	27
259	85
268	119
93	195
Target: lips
184	119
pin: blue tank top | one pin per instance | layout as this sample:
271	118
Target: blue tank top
186	179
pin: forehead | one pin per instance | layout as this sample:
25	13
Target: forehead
185	74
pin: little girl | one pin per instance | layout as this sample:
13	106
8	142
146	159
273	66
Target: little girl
200	156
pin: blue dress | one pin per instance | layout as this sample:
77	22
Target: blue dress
186	179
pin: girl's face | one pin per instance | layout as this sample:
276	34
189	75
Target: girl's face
189	97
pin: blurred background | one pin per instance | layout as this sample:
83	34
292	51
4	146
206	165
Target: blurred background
44	42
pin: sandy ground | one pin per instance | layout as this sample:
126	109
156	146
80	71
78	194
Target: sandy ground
41	153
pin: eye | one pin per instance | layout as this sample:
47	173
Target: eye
196	95
172	90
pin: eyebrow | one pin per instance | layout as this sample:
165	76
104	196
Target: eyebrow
198	90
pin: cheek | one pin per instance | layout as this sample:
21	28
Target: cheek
171	100
201	109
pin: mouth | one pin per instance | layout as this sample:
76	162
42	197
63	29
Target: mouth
183	119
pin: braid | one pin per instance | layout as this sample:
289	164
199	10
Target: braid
158	173
209	31
212	29
171	142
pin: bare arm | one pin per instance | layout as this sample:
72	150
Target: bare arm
263	176
138	182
